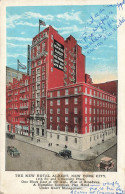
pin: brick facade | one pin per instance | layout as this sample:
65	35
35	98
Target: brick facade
63	105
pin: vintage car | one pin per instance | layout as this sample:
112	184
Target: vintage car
10	135
106	164
12	151
65	154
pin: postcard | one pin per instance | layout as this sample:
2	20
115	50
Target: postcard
62	97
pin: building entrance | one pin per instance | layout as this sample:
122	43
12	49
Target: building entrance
42	132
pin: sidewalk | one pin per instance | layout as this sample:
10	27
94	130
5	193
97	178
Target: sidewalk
77	155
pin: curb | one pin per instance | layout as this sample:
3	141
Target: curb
94	157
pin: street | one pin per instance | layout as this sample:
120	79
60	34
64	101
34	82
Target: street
33	158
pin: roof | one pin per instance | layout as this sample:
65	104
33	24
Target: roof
106	159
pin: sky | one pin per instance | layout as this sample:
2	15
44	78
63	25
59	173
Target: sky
91	25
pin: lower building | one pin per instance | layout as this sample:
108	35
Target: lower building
13	73
18	106
80	116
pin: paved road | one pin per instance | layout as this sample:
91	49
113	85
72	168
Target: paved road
33	158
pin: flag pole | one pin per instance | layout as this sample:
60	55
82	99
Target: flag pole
39	26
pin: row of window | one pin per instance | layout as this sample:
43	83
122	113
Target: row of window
99	103
66	101
66	92
98	111
66	138
38	70
38	78
98	94
40	62
106	97
99	119
38	86
66	128
87	119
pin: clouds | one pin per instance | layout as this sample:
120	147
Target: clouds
23	23
69	29
16	55
38	15
14	20
73	16
19	39
16	45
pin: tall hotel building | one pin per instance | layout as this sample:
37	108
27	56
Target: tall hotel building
65	108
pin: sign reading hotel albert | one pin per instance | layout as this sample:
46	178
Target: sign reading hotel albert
58	55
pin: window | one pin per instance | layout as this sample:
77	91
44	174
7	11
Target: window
33	80
75	100
90	110
75	110
50	135
66	92
90	119
39	63
37	131
90	92
58	127
51	103
66	119
43	85
75	129
86	90
66	128
58	102
66	101
51	37
43	68
38	94
66	138
38	86
66	110
86	129
51	119
43	76
85	100
76	90
90	101
94	111
51	94
85	110
58	93
43	92
38	70
75	120
51	111
75	140
58	110
80	89
85	120
51	126
57	136
58	119
32	88
38	78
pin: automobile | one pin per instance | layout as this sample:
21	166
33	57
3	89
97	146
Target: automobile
65	154
106	164
10	135
12	151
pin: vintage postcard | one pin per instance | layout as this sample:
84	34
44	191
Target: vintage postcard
62	97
